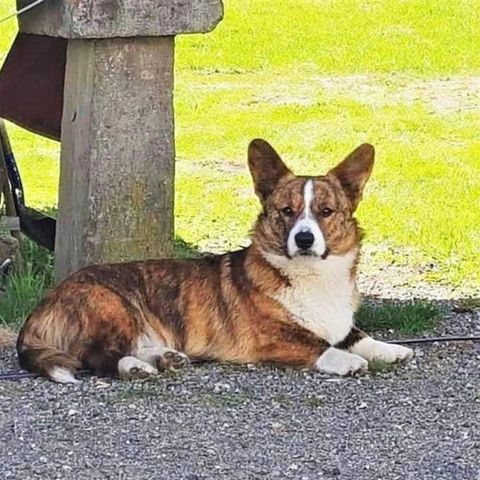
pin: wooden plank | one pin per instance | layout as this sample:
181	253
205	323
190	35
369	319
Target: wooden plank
10	223
10	209
120	18
117	161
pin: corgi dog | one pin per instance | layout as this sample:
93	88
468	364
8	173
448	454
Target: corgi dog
289	298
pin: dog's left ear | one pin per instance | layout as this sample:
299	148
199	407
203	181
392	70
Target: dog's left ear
266	167
354	172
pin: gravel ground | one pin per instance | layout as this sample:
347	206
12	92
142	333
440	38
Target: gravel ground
417	421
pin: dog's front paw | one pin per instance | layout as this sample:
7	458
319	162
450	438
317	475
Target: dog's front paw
386	352
340	362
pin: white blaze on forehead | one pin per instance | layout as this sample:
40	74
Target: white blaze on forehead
307	223
308	198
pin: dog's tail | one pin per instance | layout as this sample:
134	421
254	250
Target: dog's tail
42	352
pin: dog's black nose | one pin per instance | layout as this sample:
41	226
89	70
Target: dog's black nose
304	240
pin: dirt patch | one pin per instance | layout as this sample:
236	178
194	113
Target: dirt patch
440	96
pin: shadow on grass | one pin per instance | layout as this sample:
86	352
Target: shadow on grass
32	252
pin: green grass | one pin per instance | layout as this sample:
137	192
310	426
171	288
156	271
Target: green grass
408	317
377	367
340	37
27	285
314	401
316	78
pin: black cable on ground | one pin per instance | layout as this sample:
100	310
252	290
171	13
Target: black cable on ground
466	338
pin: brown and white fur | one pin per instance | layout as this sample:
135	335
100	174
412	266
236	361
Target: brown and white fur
289	298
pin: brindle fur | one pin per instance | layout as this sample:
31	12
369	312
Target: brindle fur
217	307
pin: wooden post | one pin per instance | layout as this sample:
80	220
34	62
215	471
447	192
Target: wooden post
117	160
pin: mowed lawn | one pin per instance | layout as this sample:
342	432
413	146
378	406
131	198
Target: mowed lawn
317	78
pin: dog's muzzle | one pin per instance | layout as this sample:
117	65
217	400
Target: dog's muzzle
306	242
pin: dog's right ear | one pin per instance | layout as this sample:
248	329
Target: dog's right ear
266	167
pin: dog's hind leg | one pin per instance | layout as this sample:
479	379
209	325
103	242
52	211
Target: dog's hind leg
163	358
151	347
132	368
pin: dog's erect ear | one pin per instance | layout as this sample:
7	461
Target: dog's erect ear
266	167
354	172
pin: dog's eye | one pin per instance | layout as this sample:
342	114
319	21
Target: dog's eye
326	212
287	211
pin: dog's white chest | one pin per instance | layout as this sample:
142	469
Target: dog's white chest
320	299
